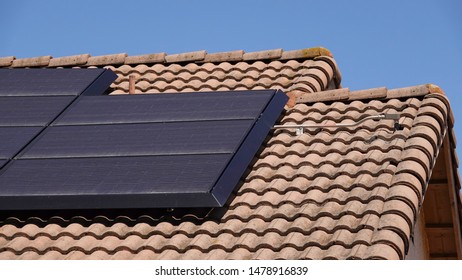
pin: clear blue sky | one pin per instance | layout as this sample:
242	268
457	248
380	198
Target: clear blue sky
375	43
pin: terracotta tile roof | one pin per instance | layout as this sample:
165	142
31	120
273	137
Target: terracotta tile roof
330	193
306	70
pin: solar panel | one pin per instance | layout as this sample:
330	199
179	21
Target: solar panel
131	182
50	82
31	110
188	107
140	139
138	151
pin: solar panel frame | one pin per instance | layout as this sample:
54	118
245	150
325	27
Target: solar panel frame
101	84
249	147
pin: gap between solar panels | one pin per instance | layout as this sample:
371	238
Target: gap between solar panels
75	148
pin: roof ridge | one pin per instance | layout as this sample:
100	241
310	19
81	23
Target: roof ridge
373	93
164	58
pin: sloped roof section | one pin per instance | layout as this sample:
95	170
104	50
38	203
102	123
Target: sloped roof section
330	193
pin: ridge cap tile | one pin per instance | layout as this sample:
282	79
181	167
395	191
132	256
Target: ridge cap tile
146	58
262	55
186	57
412	91
306	53
6	61
372	93
328	95
70	60
103	60
224	56
38	61
432	88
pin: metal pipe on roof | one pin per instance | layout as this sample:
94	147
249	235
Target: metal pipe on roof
131	84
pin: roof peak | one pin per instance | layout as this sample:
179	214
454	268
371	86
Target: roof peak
84	60
343	94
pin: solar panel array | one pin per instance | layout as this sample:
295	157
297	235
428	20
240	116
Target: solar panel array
78	150
30	99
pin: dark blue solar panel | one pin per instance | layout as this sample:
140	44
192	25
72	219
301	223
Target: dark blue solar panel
105	182
140	139
49	82
12	139
31	110
166	107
